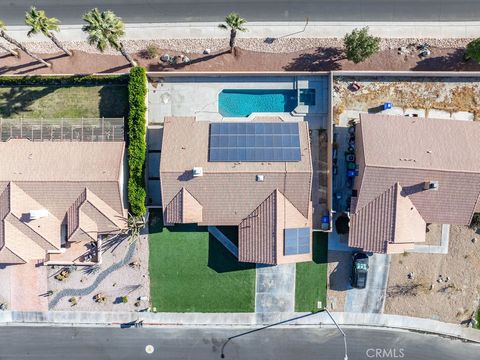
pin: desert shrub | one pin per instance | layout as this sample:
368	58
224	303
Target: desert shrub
124	299
475	224
360	45
73	301
151	52
137	147
342	224
473	50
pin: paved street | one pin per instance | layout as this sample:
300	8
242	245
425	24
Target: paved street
140	11
300	343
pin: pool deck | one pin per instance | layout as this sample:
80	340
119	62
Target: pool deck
198	96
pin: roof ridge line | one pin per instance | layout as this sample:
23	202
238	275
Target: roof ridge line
421	168
286	198
87	190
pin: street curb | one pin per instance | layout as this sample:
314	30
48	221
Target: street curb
257	29
195	320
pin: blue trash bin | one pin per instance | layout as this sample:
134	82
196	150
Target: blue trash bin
387	105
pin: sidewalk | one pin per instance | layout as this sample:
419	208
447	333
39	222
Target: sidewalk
196	30
79	318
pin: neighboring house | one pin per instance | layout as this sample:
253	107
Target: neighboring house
254	175
412	171
58	196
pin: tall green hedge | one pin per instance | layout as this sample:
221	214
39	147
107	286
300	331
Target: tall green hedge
53	80
137	146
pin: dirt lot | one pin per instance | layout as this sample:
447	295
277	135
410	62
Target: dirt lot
452	95
433	235
444	287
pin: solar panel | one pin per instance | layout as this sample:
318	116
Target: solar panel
254	142
297	241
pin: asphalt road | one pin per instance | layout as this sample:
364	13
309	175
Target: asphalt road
300	343
135	11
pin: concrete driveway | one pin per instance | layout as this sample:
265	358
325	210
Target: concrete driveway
372	298
23	287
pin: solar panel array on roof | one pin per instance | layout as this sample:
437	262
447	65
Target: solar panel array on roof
254	142
297	241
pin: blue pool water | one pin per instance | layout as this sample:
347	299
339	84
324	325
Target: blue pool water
241	103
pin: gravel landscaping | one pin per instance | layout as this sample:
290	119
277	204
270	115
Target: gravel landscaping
426	94
253	54
283	45
123	272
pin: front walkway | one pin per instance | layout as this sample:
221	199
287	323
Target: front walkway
275	290
372	298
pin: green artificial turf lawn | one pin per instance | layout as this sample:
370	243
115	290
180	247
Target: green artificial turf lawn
311	277
54	102
190	271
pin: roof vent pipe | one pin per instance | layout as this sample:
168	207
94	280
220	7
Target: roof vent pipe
430	185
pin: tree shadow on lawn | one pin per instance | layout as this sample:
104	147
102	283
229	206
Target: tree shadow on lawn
113	101
19	99
221	260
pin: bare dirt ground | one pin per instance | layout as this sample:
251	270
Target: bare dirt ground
444	287
452	95
338	279
313	59
433	235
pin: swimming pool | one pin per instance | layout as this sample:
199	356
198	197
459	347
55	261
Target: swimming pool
243	102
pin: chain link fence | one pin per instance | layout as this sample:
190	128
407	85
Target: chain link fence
81	129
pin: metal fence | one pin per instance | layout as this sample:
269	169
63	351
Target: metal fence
81	129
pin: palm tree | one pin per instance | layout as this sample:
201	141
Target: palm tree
7	49
235	23
40	23
4	35
105	29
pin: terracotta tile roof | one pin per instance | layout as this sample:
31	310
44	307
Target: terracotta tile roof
411	152
56	176
183	209
91	215
24	160
261	234
257	233
228	193
389	219
398	138
420	143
